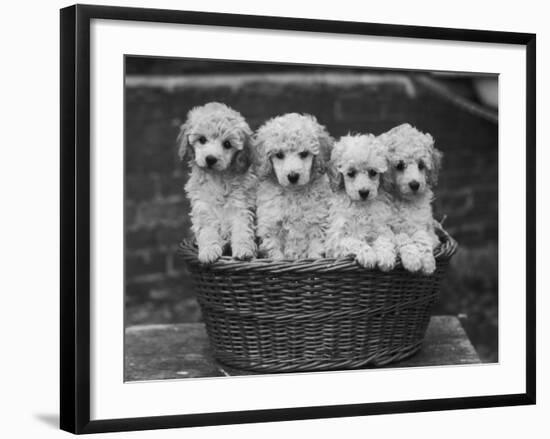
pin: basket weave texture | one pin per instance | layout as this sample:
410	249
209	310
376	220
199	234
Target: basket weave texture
305	315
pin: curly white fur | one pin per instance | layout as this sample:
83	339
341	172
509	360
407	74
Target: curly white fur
414	166
220	187
360	209
291	153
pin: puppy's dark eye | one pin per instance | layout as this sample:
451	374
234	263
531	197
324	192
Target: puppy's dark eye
304	154
352	173
400	166
202	140
280	155
227	144
372	173
421	165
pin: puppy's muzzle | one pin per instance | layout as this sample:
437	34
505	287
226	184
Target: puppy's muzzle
364	194
414	185
210	160
293	177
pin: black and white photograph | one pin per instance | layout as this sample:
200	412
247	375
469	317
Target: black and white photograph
275	219
285	218
341	225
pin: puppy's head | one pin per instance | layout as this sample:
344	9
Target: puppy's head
217	137
413	160
357	165
292	149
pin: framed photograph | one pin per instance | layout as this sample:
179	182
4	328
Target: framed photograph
275	218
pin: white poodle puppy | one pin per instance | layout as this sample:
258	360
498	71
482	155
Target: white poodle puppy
221	183
414	166
360	209
291	154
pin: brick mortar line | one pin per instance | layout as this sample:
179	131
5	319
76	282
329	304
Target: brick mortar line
235	81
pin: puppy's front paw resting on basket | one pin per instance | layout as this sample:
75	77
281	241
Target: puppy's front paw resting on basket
276	255
386	259
210	253
428	263
411	258
366	257
314	254
316	250
243	252
271	253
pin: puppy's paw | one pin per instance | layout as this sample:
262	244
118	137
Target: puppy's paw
243	252
315	254
366	257
428	264
276	255
411	261
316	250
210	253
386	260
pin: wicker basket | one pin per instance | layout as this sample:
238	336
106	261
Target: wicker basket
309	315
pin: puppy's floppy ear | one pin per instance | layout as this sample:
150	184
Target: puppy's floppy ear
437	157
183	141
335	177
326	142
386	181
261	160
242	158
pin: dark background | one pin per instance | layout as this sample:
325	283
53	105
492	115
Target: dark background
160	91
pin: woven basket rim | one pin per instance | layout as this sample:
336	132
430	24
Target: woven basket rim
188	251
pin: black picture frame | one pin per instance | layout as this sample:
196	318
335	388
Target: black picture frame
75	217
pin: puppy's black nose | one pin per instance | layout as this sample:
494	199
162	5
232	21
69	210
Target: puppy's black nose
293	177
363	193
211	160
414	185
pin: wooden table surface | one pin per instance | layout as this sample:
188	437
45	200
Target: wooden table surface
156	352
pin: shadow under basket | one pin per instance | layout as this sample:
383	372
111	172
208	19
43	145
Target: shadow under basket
306	315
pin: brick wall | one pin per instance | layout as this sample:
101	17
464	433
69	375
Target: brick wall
157	286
